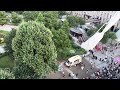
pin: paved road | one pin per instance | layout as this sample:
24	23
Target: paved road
7	27
76	70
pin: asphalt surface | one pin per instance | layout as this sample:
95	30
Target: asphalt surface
76	70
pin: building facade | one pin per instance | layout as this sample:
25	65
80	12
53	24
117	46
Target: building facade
103	15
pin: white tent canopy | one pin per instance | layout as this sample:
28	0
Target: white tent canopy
118	35
95	39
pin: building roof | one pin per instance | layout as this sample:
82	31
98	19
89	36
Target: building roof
77	30
72	59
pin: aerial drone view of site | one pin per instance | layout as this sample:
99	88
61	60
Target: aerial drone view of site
59	44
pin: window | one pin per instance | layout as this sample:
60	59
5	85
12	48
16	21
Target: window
69	62
110	16
76	61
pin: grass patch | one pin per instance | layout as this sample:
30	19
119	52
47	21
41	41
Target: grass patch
5	62
4	32
2	44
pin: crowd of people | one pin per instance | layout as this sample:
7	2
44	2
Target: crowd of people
112	71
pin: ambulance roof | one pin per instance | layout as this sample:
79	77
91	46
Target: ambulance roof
72	59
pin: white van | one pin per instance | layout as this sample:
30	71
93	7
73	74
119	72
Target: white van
73	61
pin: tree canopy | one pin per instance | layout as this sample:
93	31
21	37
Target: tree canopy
75	21
6	74
15	18
3	18
50	19
30	15
40	18
108	35
33	46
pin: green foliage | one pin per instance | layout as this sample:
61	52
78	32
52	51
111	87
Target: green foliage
62	42
30	15
112	35
6	74
5	62
3	18
40	18
65	26
91	32
2	35
15	18
108	35
33	46
23	71
8	41
75	21
51	18
1	40
3	32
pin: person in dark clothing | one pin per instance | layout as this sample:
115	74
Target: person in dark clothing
76	74
91	52
87	71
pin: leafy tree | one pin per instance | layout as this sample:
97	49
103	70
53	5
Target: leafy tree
40	17
15	18
105	39
108	35
8	40
51	19
33	47
6	74
112	36
62	43
91	32
65	26
23	71
3	18
30	15
75	21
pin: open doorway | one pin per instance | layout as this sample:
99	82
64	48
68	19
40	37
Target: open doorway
112	28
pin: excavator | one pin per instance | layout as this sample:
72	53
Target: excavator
91	43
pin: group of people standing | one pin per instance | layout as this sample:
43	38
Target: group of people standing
112	71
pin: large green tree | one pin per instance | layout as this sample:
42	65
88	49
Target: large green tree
30	15
60	30
6	74
50	19
62	43
40	18
33	46
3	18
15	18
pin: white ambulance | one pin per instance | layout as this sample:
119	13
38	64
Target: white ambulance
73	61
